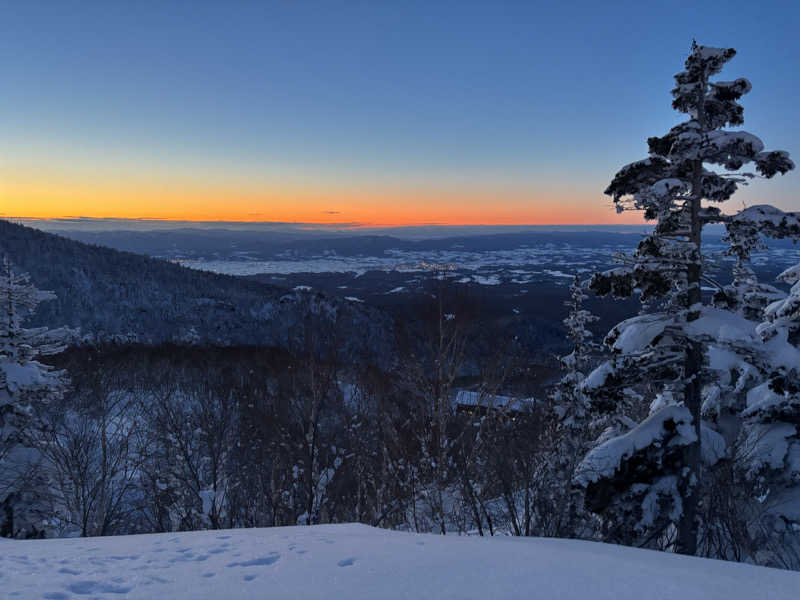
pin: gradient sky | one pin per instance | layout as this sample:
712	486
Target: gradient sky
392	112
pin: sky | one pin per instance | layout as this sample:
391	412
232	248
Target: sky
374	113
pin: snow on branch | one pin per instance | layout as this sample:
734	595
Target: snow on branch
670	426
769	220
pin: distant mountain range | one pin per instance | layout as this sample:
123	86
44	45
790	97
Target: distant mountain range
224	244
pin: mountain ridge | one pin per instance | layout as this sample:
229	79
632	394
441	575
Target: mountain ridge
112	295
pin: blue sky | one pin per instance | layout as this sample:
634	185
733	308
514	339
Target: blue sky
520	98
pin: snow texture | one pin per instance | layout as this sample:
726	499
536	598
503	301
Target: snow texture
357	562
766	214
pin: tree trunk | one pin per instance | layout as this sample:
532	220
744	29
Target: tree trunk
687	527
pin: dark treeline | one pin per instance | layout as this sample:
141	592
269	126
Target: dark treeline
185	437
170	437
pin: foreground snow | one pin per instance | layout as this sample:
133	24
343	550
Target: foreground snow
355	562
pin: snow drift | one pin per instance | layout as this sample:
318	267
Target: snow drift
357	562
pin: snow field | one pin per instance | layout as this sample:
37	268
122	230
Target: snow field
356	562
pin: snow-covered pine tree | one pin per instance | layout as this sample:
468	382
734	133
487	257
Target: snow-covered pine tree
743	365
745	235
577	323
647	479
24	383
771	430
572	408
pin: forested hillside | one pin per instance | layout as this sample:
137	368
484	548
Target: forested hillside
118	296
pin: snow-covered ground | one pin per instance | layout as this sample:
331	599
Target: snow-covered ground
356	562
563	259
562	256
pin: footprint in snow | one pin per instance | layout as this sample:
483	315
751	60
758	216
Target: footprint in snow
93	587
257	562
347	562
69	571
249	577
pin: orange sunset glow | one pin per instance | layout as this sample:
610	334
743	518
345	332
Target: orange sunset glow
47	198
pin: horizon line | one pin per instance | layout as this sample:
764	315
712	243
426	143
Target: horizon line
66	219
